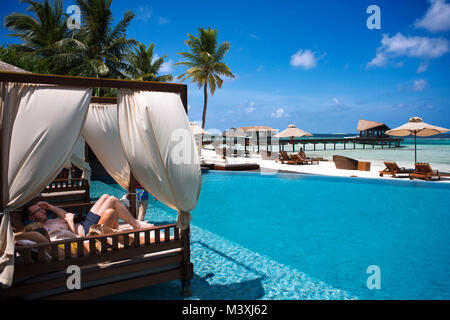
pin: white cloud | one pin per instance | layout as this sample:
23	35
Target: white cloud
336	101
144	13
254	36
305	59
422	67
419	85
415	47
379	60
167	66
249	110
437	17
412	47
279	113
163	20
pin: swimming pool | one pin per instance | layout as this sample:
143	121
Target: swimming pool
333	229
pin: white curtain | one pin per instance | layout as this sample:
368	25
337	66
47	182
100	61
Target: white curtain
160	148
40	127
102	135
78	159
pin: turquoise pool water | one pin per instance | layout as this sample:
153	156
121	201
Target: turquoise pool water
334	228
330	229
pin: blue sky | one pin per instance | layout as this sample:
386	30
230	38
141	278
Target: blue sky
314	64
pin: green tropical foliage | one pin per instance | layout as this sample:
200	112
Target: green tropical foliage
142	64
29	63
97	49
100	48
205	62
38	33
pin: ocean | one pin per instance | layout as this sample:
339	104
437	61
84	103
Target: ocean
434	150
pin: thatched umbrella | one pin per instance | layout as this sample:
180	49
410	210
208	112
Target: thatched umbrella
257	128
254	131
235	134
291	132
197	130
416	127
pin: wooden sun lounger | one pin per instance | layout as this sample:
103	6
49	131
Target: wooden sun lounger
284	158
345	163
112	264
296	156
393	169
424	171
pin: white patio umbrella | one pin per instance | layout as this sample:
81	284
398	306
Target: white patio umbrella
197	130
417	128
291	132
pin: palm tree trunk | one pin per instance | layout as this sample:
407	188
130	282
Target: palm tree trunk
205	105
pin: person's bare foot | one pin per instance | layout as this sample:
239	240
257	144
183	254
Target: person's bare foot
142	225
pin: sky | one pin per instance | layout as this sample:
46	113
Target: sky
314	64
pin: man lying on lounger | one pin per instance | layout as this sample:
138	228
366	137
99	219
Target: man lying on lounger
107	211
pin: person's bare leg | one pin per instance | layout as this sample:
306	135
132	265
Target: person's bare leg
109	218
99	203
142	210
122	212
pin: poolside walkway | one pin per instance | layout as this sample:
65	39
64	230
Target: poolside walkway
323	168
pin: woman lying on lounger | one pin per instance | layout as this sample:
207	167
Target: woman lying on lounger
107	211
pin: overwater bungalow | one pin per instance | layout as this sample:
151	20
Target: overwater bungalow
371	129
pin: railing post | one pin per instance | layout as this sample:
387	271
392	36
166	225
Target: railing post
187	267
132	195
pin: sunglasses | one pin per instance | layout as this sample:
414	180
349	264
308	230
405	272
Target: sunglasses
34	212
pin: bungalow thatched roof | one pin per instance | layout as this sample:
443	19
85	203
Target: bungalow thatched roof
364	125
6	67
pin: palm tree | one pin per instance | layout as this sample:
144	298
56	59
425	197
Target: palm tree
38	33
98	48
205	63
143	66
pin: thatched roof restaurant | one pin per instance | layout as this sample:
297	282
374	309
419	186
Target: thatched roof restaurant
371	129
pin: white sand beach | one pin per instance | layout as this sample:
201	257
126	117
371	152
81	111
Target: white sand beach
326	167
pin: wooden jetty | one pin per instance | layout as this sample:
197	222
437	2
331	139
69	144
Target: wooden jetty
348	143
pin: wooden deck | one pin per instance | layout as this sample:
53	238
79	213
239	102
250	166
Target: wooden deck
235	166
348	143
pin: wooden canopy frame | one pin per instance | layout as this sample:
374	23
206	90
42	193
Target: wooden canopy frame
85	82
163	267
